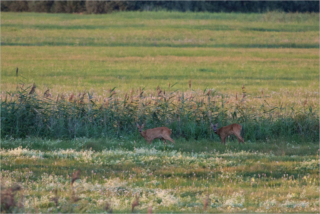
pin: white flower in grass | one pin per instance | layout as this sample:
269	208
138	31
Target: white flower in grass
112	183
101	202
167	198
269	203
294	204
236	200
117	204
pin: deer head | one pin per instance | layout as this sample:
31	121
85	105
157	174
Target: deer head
215	127
140	127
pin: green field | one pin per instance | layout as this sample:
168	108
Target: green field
75	52
180	70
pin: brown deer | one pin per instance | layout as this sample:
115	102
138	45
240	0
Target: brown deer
162	133
224	132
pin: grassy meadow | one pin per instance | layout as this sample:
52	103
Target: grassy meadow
72	52
278	177
96	76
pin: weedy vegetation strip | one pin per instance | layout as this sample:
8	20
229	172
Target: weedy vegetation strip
188	114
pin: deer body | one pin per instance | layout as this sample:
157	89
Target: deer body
162	133
224	132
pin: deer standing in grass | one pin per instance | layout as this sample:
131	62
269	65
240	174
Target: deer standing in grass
162	133
224	132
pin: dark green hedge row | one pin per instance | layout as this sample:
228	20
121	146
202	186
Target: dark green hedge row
99	6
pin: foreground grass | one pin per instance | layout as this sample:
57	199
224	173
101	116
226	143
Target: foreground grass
245	178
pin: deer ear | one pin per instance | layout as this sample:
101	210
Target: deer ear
138	125
211	124
142	126
217	125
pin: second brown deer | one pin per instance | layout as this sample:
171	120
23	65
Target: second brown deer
149	135
224	132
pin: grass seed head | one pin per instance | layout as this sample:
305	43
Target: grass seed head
206	202
62	97
243	91
56	198
46	93
33	89
135	203
107	207
71	97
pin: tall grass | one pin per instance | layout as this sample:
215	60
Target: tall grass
25	113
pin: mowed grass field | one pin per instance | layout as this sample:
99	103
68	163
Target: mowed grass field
73	52
274	55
